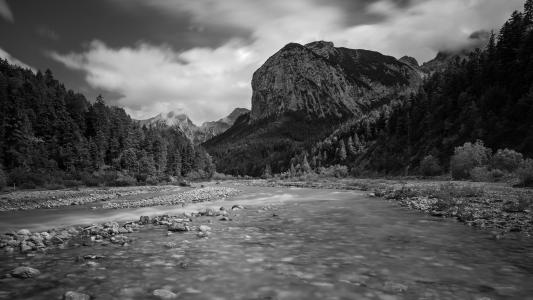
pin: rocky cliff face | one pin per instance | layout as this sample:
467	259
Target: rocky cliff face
197	134
323	81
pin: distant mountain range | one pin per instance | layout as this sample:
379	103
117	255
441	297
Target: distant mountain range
197	134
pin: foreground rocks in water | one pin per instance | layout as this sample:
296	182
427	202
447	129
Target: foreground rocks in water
144	220
197	195
177	227
24	272
71	295
164	294
106	233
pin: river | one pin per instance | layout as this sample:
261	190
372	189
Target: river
288	243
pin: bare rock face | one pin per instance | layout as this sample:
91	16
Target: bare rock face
324	81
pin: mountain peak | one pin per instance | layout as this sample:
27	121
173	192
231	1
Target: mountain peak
322	48
411	61
321	80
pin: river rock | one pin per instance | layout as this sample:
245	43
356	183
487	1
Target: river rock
25	247
144	220
177	227
71	295
204	228
237	207
24	232
24	272
164	294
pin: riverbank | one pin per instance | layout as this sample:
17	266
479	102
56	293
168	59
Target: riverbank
496	207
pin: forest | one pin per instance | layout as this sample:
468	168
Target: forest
53	137
487	97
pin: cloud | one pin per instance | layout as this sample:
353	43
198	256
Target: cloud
207	83
5	11
152	79
14	61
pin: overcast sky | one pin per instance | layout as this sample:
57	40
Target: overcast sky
198	56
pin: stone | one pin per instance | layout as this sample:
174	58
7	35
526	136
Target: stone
171	245
237	207
178	227
225	219
24	232
203	234
24	247
24	272
204	228
71	295
164	294
144	220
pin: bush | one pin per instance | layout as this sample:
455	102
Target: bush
429	166
507	160
338	171
525	173
481	174
54	186
26	179
125	180
467	157
72	183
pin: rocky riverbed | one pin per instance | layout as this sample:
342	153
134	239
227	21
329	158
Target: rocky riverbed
274	243
496	207
24	200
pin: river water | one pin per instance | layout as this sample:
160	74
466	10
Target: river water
286	244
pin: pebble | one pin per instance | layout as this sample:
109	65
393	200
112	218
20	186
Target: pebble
24	232
164	294
237	207
24	272
71	295
204	228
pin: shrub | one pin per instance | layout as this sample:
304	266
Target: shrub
26	179
54	186
152	180
338	171
481	174
525	173
507	160
125	180
467	157
429	166
72	183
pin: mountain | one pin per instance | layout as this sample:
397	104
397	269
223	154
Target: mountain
481	95
197	134
301	94
323	81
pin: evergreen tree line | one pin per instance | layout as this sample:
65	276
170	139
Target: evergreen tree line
51	135
488	96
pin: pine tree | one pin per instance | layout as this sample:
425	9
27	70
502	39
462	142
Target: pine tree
268	172
341	153
350	146
306	168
